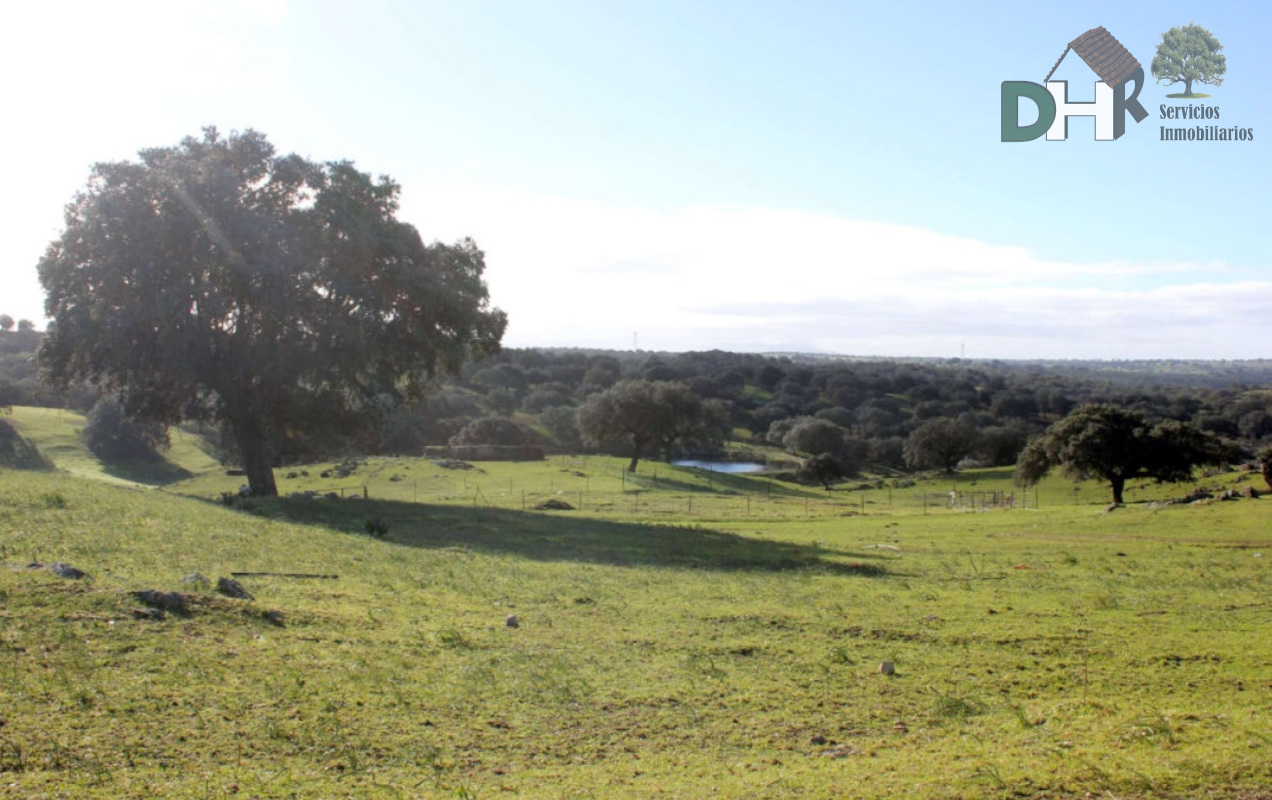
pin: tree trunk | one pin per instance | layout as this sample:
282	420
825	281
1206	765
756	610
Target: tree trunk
1266	469
1118	483
257	464
638	445
1188	86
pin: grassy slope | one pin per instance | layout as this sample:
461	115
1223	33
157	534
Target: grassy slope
59	436
718	653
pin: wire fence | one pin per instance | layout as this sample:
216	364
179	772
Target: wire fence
604	486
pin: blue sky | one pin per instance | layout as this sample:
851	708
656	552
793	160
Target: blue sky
763	176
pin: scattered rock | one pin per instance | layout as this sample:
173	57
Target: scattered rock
887	668
554	505
511	621
1250	493
275	617
196	580
166	601
64	570
839	751
232	588
817	739
150	613
1196	496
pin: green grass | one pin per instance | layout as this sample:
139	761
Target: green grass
728	648
59	436
1182	96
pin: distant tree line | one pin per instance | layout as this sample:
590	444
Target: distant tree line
281	302
857	414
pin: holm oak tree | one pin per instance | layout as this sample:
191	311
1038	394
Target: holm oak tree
650	415
1117	445
272	293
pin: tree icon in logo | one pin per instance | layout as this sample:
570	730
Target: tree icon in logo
1187	54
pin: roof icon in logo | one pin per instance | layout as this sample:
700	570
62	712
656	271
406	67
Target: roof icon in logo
1104	54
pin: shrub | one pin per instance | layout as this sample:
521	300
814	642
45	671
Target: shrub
499	431
112	436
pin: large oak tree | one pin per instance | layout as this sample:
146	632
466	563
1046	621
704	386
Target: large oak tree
1117	445
651	415
273	293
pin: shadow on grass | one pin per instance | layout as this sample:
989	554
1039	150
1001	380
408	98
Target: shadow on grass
19	452
680	479
152	472
558	536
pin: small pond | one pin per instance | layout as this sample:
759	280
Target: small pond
736	467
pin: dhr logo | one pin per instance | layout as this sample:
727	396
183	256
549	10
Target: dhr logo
1109	60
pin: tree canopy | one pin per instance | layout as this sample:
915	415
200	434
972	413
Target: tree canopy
273	293
1117	445
649	415
822	468
940	442
1189	53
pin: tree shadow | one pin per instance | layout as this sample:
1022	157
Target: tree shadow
19	452
558	536
152	472
719	482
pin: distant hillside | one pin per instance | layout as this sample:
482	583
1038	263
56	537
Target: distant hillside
58	435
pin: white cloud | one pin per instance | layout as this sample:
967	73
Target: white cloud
748	278
90	81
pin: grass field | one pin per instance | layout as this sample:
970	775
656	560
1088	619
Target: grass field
58	434
682	635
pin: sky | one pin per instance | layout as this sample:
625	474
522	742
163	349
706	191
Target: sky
822	177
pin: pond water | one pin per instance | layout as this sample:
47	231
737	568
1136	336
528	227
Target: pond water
735	467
